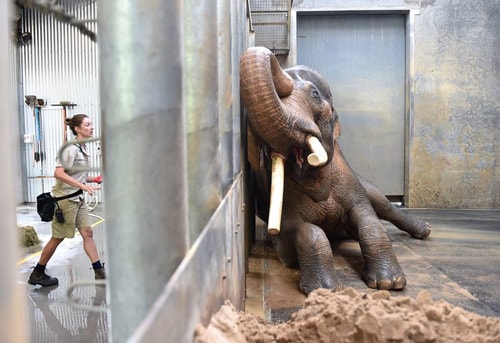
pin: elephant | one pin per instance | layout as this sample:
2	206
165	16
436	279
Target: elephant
322	199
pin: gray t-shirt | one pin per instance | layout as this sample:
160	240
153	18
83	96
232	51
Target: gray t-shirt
74	155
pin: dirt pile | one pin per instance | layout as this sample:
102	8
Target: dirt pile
351	316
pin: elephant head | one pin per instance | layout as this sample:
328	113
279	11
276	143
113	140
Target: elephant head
291	110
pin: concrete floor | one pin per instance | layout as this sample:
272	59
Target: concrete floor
51	316
459	263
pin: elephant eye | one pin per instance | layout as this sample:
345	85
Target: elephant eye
314	93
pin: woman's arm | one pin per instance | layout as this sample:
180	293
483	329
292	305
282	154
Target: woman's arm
60	174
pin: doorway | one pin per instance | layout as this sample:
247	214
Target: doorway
363	57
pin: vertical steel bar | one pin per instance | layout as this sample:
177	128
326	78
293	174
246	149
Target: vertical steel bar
141	82
11	294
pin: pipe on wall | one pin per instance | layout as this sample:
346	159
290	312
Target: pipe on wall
144	157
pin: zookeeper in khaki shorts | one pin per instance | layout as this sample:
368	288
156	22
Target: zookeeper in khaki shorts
74	210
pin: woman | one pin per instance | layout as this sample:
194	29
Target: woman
74	209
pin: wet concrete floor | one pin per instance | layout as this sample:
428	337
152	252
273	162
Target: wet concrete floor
459	263
52	316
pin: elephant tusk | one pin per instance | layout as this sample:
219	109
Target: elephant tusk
276	201
318	157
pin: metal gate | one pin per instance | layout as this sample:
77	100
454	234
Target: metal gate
363	58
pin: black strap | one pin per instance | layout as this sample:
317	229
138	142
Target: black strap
78	192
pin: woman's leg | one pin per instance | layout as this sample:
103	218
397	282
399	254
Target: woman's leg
91	251
89	243
38	276
49	249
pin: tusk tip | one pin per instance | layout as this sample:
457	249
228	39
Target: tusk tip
273	231
318	156
317	160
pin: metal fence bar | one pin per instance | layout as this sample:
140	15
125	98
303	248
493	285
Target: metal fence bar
144	153
11	295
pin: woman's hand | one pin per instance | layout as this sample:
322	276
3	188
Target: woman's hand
89	189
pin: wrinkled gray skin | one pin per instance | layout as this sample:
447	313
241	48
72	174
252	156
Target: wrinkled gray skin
319	203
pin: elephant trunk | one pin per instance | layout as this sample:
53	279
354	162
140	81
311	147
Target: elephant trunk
263	83
279	123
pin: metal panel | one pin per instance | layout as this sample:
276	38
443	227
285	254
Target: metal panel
212	271
363	58
13	63
184	122
211	95
12	309
59	65
145	156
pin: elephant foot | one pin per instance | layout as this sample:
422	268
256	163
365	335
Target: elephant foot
420	229
311	280
390	277
417	228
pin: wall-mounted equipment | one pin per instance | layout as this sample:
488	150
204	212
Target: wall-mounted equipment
35	103
29	138
271	23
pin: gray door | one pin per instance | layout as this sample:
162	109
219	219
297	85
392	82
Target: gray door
363	58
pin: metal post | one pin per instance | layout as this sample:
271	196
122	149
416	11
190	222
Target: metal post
144	153
12	299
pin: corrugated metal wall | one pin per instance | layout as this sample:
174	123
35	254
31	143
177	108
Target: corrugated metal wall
59	65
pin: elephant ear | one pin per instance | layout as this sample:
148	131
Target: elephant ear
336	127
253	150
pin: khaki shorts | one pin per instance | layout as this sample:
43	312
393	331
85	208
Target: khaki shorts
76	215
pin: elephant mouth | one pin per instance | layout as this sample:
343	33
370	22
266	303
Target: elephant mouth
297	163
299	156
312	155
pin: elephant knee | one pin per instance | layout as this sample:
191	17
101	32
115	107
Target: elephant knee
312	240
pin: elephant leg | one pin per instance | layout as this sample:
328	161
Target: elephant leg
381	269
307	246
385	210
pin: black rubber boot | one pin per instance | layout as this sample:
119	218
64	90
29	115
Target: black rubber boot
100	274
40	278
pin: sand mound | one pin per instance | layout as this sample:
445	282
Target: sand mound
351	316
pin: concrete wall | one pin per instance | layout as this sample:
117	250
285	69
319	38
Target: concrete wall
453	104
454	147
